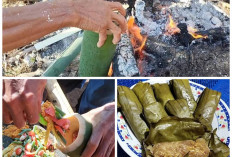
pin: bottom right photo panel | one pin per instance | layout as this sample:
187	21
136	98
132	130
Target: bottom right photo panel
161	117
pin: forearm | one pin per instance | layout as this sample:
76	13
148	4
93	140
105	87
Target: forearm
22	25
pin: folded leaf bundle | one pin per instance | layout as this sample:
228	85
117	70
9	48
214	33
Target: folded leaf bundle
216	146
162	93
153	110
170	129
178	108
190	148
132	110
207	106
182	90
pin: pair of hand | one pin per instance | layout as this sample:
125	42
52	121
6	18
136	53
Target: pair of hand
100	16
22	100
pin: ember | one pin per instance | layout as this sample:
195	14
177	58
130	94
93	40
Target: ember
171	27
193	31
138	41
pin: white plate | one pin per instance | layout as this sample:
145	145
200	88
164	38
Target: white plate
132	146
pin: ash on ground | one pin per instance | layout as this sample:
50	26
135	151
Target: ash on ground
167	55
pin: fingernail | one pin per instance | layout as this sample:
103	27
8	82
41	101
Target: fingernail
98	45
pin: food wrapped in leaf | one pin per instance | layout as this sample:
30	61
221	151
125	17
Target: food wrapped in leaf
118	104
162	93
207	106
170	129
216	146
153	110
182	90
132	110
182	149
178	108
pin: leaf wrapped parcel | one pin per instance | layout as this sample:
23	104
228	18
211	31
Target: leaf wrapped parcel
162	93
207	106
153	110
178	108
182	90
170	129
132	110
216	146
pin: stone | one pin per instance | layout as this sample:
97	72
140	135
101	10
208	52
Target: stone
216	21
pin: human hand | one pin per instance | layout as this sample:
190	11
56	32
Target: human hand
102	140
22	100
100	16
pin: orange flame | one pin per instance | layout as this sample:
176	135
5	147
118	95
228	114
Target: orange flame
137	40
193	31
171	27
110	72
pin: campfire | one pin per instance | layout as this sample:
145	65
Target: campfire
175	39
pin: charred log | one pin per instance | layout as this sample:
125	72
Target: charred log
124	63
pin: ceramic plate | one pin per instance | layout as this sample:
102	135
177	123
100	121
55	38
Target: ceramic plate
132	146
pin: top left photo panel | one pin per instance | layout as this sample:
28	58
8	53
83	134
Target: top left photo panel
65	38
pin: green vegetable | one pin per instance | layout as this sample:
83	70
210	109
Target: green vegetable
57	109
62	138
17	142
24	131
182	90
42	120
162	93
178	108
153	110
170	129
207	106
132	110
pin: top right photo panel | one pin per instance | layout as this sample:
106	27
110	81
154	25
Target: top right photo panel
176	38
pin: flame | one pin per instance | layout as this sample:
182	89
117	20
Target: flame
193	31
110	72
137	40
171	27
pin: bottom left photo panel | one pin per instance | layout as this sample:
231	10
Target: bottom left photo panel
58	118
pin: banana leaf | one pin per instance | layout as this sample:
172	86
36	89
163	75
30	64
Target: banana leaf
162	93
182	90
132	110
118	104
153	110
207	106
170	129
178	108
216	146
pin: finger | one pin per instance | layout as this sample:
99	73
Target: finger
40	99
105	146
16	113
116	32
6	114
93	143
116	6
31	108
112	153
110	149
121	21
107	140
102	38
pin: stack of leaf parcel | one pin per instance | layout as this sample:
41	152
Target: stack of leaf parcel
168	121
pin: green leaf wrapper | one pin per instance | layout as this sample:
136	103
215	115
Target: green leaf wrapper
216	146
162	93
182	90
207	106
178	108
153	110
171	129
132	110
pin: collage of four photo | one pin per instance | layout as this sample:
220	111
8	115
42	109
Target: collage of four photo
126	78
